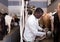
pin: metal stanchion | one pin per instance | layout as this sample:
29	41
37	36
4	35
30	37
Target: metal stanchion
22	20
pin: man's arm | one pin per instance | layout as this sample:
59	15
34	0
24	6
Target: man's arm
34	30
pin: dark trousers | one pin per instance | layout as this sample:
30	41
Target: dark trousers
1	36
56	36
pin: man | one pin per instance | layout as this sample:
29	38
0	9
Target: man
57	24
32	26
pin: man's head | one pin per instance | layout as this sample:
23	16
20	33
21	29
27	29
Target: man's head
38	13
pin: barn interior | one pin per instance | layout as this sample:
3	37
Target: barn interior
18	12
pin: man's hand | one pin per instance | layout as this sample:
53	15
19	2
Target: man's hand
45	30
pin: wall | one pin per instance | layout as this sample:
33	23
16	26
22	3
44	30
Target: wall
14	7
39	3
53	6
5	2
3	6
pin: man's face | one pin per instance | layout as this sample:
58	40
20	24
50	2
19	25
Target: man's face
38	15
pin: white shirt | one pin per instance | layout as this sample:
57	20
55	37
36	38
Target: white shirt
31	29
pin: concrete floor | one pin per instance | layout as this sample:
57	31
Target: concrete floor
47	40
13	36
